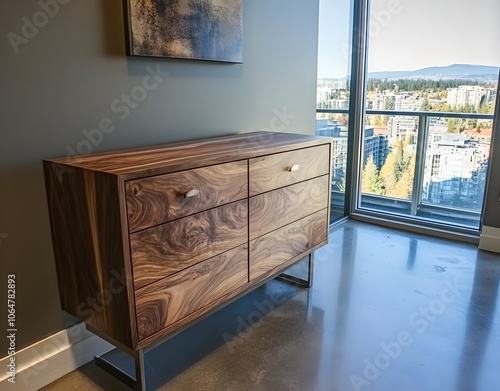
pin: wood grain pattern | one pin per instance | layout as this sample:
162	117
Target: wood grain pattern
277	208
164	250
88	249
215	305
273	171
162	159
171	299
101	265
277	247
159	199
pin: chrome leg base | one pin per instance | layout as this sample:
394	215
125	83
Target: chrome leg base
299	281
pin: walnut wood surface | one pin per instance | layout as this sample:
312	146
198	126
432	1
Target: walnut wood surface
88	249
171	299
277	208
277	247
161	251
101	266
155	160
224	300
273	171
159	199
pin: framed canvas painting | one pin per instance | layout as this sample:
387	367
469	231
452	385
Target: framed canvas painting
190	29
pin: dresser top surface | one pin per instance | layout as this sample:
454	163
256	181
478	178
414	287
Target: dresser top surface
190	154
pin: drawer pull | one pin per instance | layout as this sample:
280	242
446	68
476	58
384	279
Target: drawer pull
295	167
192	193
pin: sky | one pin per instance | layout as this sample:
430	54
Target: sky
412	34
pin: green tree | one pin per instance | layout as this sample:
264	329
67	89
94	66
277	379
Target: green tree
491	109
453	125
399	161
445	108
388	174
471	123
370	180
425	105
408	140
404	187
439	86
483	108
468	108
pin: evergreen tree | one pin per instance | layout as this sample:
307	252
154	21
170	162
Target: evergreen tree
399	163
370	180
445	108
404	187
388	174
453	125
425	105
491	109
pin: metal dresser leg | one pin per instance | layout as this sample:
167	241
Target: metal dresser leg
299	281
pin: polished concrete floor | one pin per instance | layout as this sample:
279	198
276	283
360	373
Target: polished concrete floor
389	311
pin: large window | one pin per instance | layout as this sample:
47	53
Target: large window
429	108
430	81
333	95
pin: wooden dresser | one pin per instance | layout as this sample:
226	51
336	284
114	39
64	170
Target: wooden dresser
148	240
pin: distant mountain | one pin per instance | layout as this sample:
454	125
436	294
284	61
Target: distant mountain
455	71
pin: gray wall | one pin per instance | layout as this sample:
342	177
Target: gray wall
64	80
491	216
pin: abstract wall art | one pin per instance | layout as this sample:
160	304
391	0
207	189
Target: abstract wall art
190	29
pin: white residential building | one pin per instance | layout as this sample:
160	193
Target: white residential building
409	102
472	95
400	127
491	94
403	101
323	94
438	125
455	171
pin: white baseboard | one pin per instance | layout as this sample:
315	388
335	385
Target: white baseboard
51	358
490	239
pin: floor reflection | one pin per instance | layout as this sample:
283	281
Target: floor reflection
412	254
370	285
480	317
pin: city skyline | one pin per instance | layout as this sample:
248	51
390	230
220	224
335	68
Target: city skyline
397	27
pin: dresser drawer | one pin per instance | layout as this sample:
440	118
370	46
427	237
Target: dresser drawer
171	299
272	250
277	208
164	250
282	169
156	200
